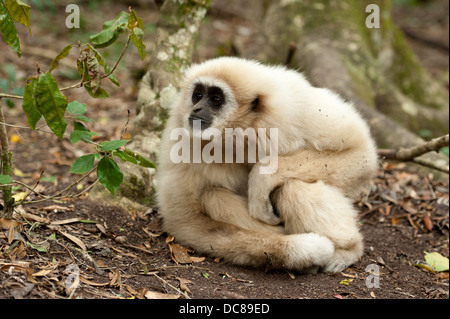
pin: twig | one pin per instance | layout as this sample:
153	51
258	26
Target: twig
32	190
27	127
411	154
57	195
437	166
176	289
408	154
290	55
126	124
5	168
10	96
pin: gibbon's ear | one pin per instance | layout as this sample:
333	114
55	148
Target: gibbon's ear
255	104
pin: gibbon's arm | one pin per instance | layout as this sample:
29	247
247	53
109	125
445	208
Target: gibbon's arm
325	141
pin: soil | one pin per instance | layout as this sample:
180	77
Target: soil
112	254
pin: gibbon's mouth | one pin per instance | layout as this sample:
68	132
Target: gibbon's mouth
204	124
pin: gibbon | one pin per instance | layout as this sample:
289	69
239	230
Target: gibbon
299	217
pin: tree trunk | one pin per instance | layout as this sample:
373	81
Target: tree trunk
171	47
372	67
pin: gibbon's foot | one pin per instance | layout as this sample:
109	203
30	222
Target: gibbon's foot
262	209
309	252
342	259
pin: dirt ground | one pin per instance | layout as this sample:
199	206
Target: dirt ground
111	254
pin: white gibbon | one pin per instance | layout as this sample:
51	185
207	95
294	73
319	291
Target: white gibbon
300	216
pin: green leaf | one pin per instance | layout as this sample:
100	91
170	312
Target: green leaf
88	221
83	118
8	29
135	158
19	12
76	108
61	55
125	157
437	261
205	274
5	179
29	104
137	38
51	103
109	174
83	164
80	132
100	92
134	21
136	26
39	248
110	31
112	145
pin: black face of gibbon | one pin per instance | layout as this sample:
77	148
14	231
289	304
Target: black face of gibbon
207	102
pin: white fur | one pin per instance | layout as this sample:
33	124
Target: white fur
326	155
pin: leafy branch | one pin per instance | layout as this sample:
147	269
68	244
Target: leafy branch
43	98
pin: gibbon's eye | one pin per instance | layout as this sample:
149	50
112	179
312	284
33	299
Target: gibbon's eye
196	97
216	100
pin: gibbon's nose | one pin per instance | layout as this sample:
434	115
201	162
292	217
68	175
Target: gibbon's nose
196	109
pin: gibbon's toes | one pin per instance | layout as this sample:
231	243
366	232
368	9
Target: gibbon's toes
335	266
309	250
263	211
341	260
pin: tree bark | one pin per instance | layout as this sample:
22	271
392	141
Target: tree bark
373	68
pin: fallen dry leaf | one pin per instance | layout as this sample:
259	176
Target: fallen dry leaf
66	221
56	208
74	239
115	278
441	275
385	209
197	259
29	216
428	222
178	253
10	225
159	295
395	220
19	196
184	283
91	283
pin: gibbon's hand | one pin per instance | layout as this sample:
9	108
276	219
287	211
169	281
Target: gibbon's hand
259	188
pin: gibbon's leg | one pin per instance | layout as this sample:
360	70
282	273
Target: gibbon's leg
322	209
192	225
226	206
